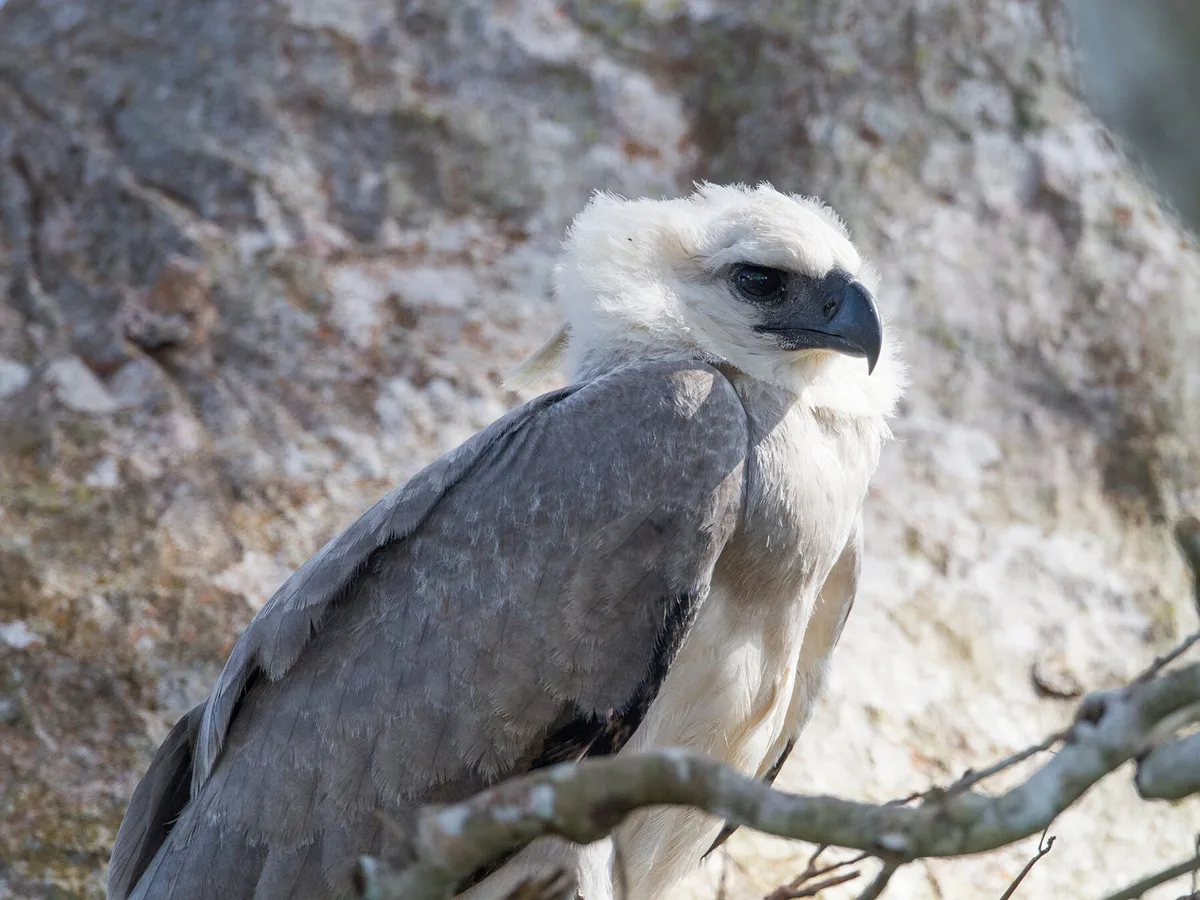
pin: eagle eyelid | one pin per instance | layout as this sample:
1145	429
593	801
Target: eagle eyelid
758	283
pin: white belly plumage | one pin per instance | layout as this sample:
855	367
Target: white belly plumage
731	695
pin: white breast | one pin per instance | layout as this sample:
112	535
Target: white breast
727	696
740	688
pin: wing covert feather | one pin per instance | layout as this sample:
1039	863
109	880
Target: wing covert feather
543	573
276	636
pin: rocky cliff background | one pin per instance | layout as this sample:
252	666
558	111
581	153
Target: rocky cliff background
262	260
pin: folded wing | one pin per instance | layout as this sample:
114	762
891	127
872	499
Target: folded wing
516	603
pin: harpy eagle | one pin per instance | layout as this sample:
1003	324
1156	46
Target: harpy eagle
662	553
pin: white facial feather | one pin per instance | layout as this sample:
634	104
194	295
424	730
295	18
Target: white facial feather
643	279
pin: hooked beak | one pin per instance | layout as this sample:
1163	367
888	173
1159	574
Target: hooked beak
843	318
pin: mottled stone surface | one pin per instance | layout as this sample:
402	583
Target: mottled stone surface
260	261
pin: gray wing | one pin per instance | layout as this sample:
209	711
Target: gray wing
821	636
157	801
517	602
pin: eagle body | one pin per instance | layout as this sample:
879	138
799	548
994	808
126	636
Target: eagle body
744	682
743	685
661	554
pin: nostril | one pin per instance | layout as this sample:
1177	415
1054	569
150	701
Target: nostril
830	308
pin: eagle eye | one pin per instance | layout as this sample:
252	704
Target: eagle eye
758	282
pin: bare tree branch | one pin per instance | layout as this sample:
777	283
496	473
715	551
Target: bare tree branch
1152	881
796	891
971	778
877	887
803	885
1163	661
583	802
1170	771
1045	845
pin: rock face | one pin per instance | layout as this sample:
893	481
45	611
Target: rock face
261	261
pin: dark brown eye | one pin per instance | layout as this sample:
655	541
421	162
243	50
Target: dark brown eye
758	282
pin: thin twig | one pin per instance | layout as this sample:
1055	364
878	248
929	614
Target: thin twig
971	777
1166	659
811	868
790	893
800	887
1152	881
876	887
833	867
1045	845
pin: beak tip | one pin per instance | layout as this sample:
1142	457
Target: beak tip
873	358
863	324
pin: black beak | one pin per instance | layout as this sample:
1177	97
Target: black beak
836	313
855	328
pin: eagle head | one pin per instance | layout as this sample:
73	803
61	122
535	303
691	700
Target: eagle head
766	282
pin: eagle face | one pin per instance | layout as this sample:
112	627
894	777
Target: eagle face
806	313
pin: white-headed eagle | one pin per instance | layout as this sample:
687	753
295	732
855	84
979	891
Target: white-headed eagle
662	553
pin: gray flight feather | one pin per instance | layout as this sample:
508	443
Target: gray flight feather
156	804
532	583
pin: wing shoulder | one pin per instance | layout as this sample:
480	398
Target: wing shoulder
609	450
282	628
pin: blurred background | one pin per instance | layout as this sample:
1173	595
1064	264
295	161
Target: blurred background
261	261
